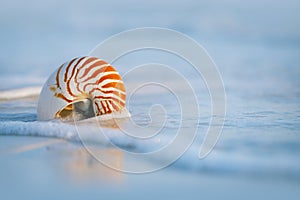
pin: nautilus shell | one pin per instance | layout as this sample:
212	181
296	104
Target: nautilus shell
82	88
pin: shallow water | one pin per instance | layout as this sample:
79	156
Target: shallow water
258	58
256	140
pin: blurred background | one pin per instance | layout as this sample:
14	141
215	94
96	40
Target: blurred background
38	35
255	44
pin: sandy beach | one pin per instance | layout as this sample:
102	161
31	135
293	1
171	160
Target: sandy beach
223	65
45	168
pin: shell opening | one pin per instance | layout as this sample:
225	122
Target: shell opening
78	110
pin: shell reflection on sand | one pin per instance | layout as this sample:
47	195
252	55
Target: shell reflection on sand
78	165
82	166
70	161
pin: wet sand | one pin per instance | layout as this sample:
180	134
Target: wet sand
46	168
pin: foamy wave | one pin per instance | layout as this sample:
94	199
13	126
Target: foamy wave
219	161
44	129
77	133
20	93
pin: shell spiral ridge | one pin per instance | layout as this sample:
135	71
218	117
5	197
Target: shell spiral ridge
89	80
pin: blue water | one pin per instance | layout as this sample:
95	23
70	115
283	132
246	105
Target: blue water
256	48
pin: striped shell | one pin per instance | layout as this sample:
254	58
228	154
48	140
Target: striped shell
82	88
